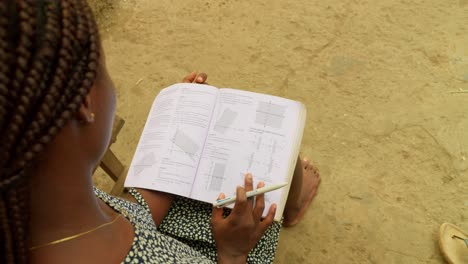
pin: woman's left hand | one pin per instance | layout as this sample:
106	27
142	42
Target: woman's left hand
196	78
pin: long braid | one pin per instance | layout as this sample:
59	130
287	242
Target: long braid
23	56
43	66
49	51
7	248
46	112
4	69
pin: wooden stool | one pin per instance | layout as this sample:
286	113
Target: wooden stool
111	164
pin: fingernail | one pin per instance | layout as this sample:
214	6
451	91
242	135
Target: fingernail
274	207
261	184
249	177
200	79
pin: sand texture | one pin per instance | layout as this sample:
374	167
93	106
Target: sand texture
383	127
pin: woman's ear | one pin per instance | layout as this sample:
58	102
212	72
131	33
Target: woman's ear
85	113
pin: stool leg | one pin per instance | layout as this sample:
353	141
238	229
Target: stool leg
118	188
111	165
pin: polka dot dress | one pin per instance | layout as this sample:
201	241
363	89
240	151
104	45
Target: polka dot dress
149	245
189	221
183	237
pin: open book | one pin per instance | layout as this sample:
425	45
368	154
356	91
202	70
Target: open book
199	141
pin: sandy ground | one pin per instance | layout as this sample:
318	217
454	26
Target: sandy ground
383	126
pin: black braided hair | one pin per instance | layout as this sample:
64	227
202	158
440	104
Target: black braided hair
49	52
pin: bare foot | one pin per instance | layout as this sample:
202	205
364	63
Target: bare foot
310	183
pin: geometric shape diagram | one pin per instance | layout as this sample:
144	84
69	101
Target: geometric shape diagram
217	177
185	143
269	114
145	162
227	118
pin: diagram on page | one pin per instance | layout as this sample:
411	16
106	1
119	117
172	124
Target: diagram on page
225	121
248	135
169	150
146	162
269	114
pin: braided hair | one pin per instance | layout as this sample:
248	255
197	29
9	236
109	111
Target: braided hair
49	51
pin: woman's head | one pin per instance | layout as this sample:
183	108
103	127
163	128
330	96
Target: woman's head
51	73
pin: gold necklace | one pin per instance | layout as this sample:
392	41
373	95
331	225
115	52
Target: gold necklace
75	236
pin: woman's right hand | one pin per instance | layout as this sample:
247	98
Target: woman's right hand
238	233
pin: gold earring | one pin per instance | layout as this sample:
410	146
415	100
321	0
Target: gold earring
91	118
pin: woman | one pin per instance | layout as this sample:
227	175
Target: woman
57	104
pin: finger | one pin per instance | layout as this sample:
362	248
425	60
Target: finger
190	78
268	220
248	185
259	203
201	78
240	208
217	213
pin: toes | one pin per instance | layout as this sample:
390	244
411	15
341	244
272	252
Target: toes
310	168
315	173
314	169
305	163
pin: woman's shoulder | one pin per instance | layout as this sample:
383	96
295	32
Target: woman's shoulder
137	213
149	245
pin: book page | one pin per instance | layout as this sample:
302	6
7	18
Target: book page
250	132
172	140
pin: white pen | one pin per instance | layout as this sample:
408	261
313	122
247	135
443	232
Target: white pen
230	200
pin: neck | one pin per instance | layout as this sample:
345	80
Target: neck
62	199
